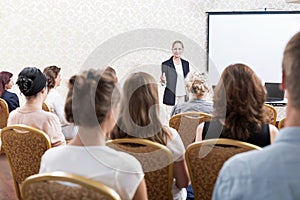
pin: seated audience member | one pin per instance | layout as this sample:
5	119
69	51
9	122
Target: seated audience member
32	83
238	103
91	104
139	118
274	172
6	82
196	84
55	101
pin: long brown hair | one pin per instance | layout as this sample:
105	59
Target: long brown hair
139	115
239	98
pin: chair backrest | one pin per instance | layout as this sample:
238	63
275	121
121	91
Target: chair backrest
24	147
186	125
270	113
281	123
46	107
156	160
61	185
205	159
4	112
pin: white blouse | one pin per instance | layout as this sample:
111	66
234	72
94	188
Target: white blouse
180	85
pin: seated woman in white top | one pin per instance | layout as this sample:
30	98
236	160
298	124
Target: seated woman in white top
139	118
32	83
91	104
55	101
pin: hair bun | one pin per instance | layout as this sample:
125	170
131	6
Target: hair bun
25	84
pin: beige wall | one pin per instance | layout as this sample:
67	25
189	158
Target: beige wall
65	32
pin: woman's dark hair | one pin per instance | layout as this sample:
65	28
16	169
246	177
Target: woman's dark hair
90	97
239	97
4	79
51	73
31	81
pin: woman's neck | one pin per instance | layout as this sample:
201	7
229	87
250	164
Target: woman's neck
33	104
176	60
87	136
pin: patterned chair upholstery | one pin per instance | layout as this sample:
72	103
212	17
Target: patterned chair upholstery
186	125
206	158
24	147
61	185
270	114
3	113
281	123
157	163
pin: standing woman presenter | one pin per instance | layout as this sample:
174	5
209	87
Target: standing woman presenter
174	72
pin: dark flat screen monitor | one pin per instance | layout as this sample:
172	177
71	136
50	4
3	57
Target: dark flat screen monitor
274	92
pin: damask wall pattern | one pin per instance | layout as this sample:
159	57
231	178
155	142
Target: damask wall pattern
65	32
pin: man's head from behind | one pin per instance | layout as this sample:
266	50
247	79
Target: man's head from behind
291	70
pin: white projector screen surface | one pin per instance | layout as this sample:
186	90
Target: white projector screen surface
255	39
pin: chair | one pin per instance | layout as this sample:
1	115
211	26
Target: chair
61	185
24	147
156	160
270	113
204	160
281	123
46	107
186	125
3	113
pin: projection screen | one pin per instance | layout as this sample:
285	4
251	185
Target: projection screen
253	38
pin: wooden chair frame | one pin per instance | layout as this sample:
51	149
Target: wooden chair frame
58	176
144	142
46	107
281	123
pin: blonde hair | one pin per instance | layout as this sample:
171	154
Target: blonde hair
196	83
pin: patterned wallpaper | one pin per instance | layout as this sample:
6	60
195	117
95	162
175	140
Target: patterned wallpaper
66	32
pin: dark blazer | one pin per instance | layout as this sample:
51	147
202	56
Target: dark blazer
11	99
171	77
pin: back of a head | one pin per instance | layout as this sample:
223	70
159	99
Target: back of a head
196	83
92	94
140	98
291	69
239	98
51	73
139	115
31	81
4	79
